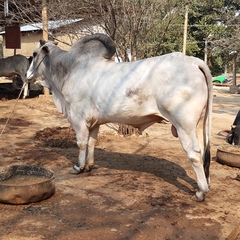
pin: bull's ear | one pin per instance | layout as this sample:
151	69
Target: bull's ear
45	50
42	42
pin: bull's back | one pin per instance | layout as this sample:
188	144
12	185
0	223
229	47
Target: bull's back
171	72
130	91
151	86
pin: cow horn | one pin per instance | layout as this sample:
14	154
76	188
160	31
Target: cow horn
42	42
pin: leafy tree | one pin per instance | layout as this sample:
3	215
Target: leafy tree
219	19
146	28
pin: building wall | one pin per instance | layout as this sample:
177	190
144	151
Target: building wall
29	41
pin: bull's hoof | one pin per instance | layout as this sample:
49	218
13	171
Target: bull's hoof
89	168
76	170
200	196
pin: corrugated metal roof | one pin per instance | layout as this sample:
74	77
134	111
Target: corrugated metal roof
51	25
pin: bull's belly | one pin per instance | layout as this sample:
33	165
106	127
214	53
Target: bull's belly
7	74
140	122
130	112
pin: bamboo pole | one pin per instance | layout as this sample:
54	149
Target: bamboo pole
44	20
185	28
45	32
234	68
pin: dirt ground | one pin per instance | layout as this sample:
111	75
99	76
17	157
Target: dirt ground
142	187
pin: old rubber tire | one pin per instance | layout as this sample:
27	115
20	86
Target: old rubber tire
229	155
27	192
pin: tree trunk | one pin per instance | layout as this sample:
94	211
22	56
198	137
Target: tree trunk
127	130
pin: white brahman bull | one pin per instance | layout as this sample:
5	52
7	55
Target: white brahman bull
15	65
90	89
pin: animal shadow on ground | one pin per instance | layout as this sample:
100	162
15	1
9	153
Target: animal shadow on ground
7	91
168	171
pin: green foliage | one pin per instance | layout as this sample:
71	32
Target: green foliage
218	19
205	18
151	27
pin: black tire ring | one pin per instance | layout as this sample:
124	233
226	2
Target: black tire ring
226	155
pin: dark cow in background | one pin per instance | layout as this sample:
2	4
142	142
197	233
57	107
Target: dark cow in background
15	65
233	136
90	89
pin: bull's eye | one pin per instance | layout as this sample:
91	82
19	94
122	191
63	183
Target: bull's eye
34	54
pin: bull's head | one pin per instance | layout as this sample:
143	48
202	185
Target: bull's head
39	61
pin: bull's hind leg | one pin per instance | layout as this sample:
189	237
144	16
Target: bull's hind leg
191	146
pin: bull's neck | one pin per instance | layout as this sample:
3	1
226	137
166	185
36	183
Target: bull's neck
55	74
57	53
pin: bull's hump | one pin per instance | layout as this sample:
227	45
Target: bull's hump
98	45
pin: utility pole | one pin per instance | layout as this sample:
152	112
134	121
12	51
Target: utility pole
45	32
44	20
234	53
207	39
234	88
185	27
205	50
5	8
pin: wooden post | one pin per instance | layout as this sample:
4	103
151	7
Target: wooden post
6	8
205	50
209	37
185	28
44	20
45	32
234	68
234	88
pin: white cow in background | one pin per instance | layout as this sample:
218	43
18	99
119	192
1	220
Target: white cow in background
90	89
15	65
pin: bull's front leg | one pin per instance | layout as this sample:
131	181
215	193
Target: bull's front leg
91	146
82	134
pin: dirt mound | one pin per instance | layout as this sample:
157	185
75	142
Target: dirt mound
60	137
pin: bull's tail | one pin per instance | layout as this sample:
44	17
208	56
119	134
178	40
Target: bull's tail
207	125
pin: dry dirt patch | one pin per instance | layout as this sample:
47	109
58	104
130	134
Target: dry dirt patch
142	188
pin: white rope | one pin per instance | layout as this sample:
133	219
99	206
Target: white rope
19	97
13	109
